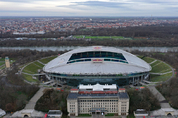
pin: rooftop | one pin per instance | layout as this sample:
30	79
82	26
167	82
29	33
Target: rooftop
61	65
76	95
98	87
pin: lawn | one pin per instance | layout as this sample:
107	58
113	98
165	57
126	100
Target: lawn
161	68
32	68
157	78
38	64
29	78
148	59
1	63
158	67
2	67
2	59
155	63
46	60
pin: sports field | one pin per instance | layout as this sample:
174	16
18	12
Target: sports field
158	67
102	37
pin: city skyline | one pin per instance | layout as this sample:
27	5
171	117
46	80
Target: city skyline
89	8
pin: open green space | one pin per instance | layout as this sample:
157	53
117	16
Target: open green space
33	68
38	64
158	67
29	78
46	60
2	59
161	68
103	37
148	59
158	78
2	63
2	67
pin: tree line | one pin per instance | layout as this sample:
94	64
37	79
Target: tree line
121	43
163	31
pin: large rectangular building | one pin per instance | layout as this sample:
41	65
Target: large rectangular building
90	99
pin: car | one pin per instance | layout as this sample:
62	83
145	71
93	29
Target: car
2	113
54	114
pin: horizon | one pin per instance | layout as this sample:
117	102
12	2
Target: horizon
95	16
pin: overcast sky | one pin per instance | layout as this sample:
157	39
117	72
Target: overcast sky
89	8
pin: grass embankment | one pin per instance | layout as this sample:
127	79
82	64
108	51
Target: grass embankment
29	78
46	60
34	67
158	67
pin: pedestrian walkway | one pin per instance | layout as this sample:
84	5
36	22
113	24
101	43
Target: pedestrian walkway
160	97
40	62
153	62
165	107
34	99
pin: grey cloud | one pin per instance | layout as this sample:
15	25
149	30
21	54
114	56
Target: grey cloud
168	2
100	4
22	1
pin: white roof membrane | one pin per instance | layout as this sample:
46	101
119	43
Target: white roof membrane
134	65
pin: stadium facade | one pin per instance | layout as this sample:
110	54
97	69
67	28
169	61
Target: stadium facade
97	64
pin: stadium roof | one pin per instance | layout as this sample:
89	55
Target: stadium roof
60	65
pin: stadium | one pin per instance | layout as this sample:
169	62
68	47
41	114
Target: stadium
97	64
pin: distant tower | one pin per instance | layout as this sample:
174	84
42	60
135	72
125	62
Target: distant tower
7	62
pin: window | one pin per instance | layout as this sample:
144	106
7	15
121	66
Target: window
78	57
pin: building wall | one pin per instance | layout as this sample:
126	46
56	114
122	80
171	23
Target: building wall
84	105
123	105
72	107
119	80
